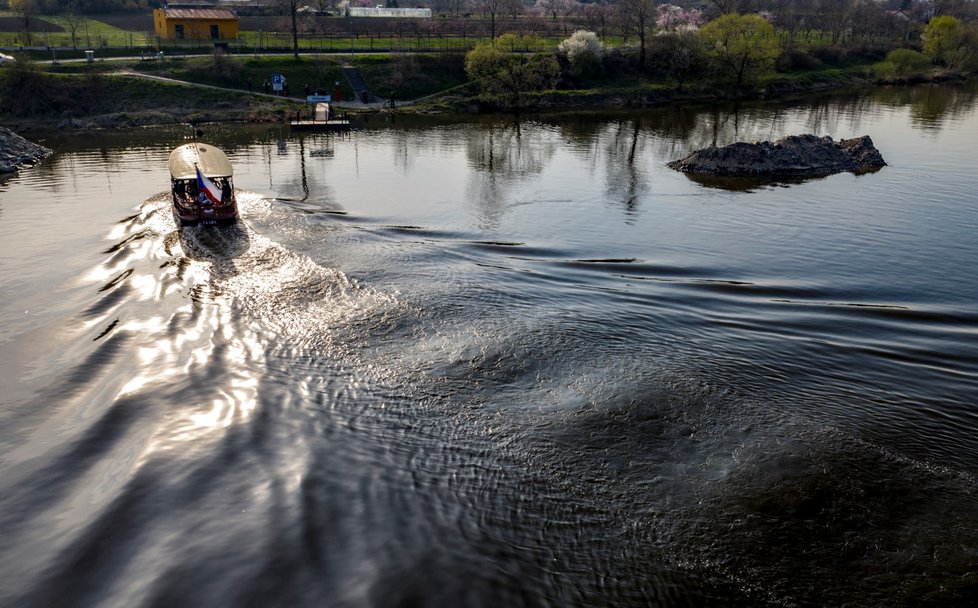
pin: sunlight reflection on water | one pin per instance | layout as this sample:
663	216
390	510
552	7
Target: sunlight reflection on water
496	363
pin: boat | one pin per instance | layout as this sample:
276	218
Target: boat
201	185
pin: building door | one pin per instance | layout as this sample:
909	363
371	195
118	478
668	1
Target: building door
215	32
178	30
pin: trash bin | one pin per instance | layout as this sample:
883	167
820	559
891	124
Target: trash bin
90	56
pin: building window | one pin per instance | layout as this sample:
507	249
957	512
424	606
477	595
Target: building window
178	29
215	33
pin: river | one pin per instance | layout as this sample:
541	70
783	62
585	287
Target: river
482	361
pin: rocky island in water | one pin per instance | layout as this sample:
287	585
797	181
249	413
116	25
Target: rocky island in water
15	151
795	156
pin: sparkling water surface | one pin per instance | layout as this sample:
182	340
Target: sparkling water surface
488	361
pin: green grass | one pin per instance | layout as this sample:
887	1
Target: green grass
412	76
128	100
233	71
91	33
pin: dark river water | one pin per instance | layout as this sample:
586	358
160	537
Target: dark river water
475	361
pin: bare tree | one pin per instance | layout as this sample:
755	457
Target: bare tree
514	8
25	10
727	6
597	16
551	7
72	19
835	17
491	9
291	8
638	17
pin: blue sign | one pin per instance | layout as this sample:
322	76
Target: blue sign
277	82
318	98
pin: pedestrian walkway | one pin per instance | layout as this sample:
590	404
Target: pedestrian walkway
359	84
375	102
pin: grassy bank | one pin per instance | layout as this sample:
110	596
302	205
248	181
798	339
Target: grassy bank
80	95
35	99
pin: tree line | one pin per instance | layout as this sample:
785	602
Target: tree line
739	41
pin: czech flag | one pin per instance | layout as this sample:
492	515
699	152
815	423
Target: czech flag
209	191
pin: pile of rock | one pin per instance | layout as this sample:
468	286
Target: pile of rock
15	151
792	156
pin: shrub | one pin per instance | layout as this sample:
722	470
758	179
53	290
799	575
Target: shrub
27	92
584	52
507	78
797	60
901	64
677	54
830	55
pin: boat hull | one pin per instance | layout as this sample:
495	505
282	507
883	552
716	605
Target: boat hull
202	215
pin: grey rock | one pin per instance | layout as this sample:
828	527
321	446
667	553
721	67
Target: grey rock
17	151
792	156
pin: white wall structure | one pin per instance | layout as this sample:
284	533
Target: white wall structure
423	13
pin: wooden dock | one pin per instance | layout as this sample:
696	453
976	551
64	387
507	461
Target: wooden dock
323	119
335	124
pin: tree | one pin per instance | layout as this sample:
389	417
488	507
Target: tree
291	7
943	40
551	7
596	16
726	6
490	9
671	17
638	17
72	19
508	77
745	46
514	8
683	53
835	17
25	10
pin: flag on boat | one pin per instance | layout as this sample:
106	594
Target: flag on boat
208	189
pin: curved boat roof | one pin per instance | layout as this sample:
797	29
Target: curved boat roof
211	160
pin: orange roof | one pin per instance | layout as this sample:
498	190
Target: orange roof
199	13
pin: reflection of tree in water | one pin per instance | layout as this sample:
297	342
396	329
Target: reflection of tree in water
502	154
308	181
931	106
626	176
404	145
827	115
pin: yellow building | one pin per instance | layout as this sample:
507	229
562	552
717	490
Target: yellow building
195	23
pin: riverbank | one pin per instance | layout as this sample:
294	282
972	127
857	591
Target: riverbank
126	99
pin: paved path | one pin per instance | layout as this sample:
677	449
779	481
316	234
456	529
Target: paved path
348	105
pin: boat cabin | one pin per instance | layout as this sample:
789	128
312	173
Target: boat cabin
201	185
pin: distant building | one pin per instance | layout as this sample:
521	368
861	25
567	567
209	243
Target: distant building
195	23
421	13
